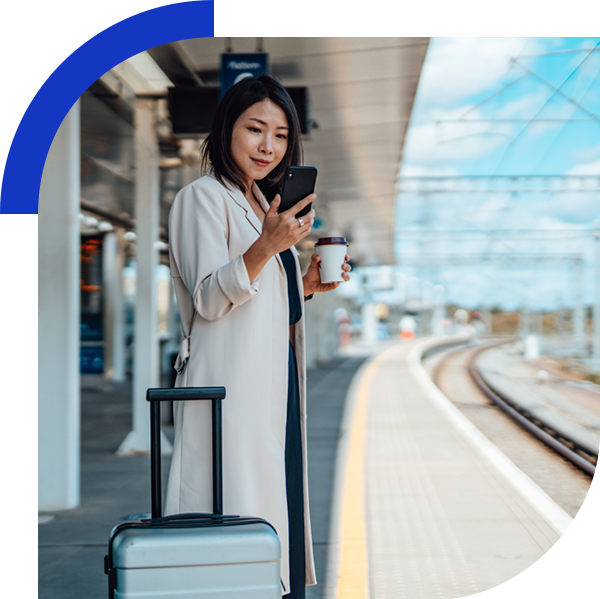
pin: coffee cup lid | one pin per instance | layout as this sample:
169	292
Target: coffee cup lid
331	241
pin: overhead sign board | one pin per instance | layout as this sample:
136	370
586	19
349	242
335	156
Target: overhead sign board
235	67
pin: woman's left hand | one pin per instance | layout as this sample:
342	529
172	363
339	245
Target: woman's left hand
312	278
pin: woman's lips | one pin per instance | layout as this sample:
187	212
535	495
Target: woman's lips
262	163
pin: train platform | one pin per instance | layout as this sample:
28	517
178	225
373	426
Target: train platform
408	499
428	507
72	543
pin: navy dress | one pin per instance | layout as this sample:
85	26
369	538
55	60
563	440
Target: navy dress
293	446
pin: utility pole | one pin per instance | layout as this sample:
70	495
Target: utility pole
596	362
579	311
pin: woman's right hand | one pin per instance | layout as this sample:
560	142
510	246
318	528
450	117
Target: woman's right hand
280	232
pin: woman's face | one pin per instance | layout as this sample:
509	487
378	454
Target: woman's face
259	140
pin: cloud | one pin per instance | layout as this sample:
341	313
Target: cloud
459	67
443	145
587	154
459	76
577	208
415	170
590	168
465	78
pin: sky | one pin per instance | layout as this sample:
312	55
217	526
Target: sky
504	106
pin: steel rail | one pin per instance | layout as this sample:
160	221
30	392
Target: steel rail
534	425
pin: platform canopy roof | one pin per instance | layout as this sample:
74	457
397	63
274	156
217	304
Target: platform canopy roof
361	92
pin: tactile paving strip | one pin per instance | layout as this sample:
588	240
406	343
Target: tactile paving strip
440	523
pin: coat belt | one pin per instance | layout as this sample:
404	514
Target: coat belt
183	356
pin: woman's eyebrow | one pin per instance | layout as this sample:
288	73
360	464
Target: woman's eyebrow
265	124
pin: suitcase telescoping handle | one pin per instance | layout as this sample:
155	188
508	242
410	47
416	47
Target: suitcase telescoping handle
155	396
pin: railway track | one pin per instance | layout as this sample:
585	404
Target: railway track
576	450
559	463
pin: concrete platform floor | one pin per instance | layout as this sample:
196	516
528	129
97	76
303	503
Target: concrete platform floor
427	511
72	543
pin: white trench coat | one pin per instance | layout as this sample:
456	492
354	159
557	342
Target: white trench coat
237	336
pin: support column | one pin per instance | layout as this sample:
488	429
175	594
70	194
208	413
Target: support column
146	367
596	362
113	262
369	323
439	310
579	311
59	321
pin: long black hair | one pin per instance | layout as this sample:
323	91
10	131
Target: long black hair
216	148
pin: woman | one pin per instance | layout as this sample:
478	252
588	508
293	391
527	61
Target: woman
239	290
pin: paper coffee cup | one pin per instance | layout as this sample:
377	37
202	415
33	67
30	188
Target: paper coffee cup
333	252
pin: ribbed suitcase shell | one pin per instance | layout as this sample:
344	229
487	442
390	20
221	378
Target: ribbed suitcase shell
184	563
192	556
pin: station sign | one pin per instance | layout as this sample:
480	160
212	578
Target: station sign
235	67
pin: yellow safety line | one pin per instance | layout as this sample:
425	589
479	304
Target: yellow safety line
353	582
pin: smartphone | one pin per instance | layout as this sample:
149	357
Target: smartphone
299	182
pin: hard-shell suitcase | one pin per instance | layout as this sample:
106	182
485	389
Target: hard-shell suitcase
185	556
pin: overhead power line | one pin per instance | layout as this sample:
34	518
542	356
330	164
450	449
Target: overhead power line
504	183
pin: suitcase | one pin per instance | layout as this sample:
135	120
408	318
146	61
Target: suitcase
185	556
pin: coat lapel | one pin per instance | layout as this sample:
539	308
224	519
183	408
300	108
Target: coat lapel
240	200
260	196
238	197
